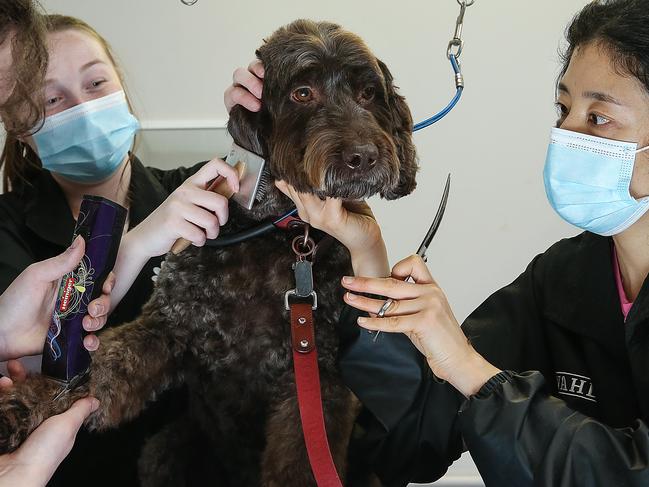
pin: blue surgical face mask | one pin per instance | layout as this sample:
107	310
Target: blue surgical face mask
88	142
587	182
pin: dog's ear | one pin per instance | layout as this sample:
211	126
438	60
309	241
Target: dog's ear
247	130
402	135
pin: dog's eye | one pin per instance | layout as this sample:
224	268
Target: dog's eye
366	95
302	94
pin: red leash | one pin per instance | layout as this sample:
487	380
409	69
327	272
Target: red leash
307	379
305	364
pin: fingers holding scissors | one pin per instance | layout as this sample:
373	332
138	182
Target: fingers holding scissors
418	309
396	286
403	297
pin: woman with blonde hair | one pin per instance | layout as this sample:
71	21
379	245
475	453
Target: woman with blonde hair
82	145
25	308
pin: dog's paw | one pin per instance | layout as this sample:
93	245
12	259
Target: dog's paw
14	420
24	406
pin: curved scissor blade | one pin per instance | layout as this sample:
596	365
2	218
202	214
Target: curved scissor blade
421	251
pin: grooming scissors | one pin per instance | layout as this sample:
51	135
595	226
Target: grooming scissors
421	251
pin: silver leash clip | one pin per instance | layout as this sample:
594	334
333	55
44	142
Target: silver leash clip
456	43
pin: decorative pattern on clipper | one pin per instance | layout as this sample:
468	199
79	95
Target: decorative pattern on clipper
72	298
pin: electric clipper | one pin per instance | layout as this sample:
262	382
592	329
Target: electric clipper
101	224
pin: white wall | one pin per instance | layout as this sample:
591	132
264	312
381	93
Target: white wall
179	59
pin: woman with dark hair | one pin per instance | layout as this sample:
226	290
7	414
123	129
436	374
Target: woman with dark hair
552	370
547	382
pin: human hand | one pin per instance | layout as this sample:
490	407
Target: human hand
98	311
352	223
421	311
246	88
190	212
36	460
17	373
27	304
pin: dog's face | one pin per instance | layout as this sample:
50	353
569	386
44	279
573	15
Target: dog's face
332	122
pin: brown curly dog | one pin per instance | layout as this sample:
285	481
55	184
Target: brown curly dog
333	125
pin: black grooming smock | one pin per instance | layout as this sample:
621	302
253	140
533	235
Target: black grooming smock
35	224
573	411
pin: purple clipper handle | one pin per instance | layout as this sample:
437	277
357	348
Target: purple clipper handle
101	224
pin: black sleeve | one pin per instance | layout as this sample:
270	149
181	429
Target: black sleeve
170	179
507	329
389	359
14	254
519	435
408	414
426	439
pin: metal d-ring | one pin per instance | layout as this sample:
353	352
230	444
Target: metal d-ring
303	245
303	248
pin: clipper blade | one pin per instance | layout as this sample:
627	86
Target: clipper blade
249	182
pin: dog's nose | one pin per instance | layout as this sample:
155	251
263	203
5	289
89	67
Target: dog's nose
360	156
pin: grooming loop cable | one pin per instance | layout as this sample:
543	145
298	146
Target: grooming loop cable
453	52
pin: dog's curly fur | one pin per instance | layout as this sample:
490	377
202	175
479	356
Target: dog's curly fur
331	124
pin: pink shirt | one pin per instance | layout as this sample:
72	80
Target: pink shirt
624	301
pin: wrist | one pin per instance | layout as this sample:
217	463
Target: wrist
5	330
14	471
133	249
4	351
6	466
470	373
371	261
131	258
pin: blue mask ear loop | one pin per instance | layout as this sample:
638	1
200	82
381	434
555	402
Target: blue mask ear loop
459	87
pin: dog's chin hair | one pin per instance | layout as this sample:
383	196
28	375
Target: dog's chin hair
338	184
354	194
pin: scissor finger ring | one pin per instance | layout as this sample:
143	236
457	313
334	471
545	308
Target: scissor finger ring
386	306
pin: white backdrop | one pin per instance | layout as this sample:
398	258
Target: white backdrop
179	59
